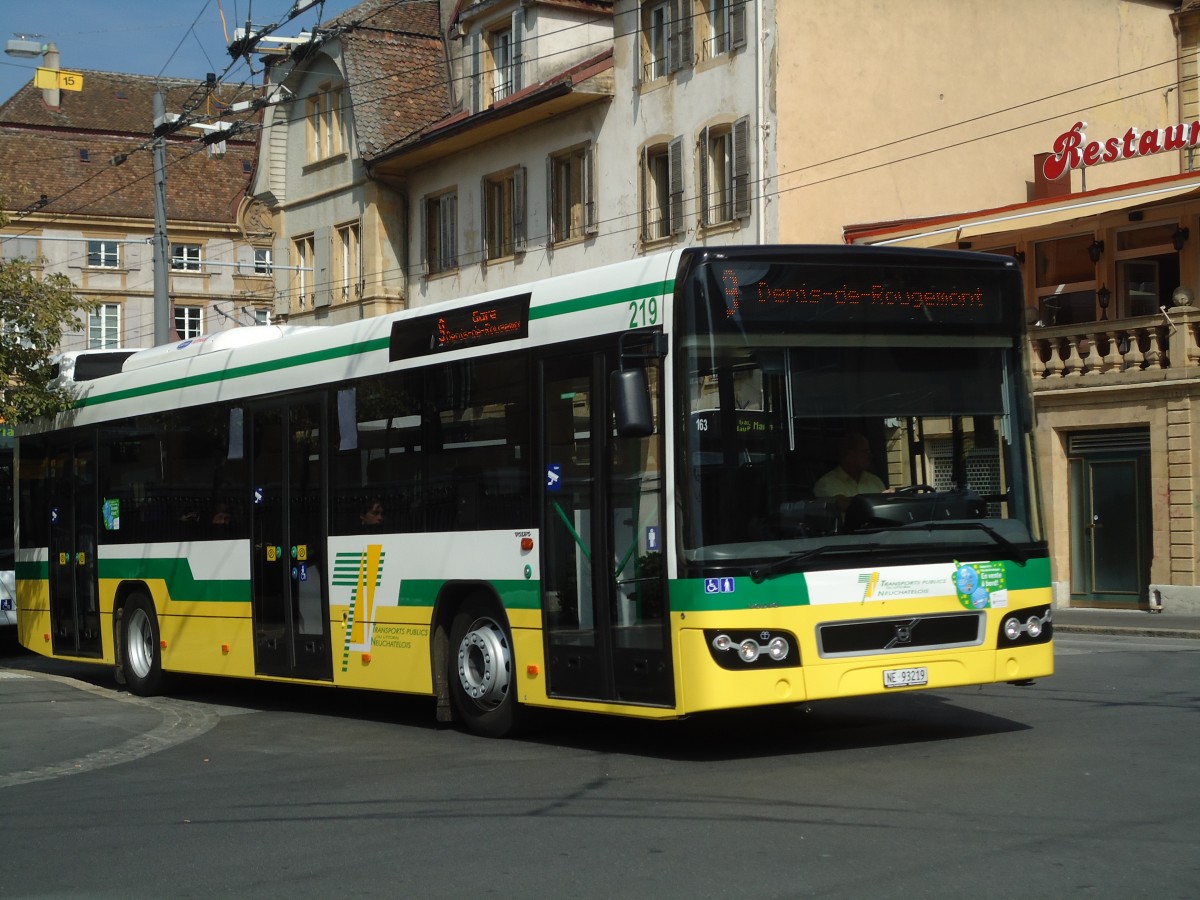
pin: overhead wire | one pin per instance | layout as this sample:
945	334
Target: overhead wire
759	194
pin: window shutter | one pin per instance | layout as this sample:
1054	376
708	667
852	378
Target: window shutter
450	230
426	268
740	135
133	256
737	25
686	35
644	178
518	50
551	197
485	215
77	254
675	36
587	190
282	278
476	68
704	198
675	164
321	287
518	210
245	259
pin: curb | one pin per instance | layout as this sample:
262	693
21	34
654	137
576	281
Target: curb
1060	628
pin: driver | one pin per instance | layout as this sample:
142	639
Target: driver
851	476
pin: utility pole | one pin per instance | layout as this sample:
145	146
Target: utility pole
162	299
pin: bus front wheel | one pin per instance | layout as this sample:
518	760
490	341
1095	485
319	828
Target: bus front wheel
482	681
142	653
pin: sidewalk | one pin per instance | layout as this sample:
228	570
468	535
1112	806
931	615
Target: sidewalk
1126	621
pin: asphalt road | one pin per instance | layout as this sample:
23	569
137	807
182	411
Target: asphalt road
1083	785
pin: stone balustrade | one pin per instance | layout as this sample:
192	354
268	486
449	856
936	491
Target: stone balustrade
1165	347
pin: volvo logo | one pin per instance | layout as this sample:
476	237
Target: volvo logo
903	633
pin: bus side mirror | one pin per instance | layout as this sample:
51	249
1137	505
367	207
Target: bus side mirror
631	403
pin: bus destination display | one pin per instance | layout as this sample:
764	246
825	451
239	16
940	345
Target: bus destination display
471	326
780	293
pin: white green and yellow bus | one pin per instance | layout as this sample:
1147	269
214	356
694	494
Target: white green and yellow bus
595	492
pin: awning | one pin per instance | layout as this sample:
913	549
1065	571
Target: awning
949	230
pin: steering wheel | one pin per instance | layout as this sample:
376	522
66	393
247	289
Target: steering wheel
917	489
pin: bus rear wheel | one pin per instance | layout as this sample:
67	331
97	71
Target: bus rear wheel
141	648
482	681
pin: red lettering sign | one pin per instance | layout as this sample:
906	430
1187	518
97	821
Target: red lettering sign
1072	149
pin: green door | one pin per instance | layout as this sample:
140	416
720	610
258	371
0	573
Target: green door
1110	529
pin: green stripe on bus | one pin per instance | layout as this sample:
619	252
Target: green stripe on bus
595	301
694	595
181	583
1034	574
273	365
38	570
514	594
579	304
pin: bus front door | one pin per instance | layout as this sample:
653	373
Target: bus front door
603	572
291	606
74	609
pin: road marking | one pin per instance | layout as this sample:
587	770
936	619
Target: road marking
181	721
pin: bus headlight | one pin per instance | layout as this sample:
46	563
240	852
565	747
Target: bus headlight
748	650
743	649
1026	626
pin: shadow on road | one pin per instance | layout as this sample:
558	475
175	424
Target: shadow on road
821	727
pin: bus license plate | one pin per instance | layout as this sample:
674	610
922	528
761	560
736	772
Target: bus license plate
913	677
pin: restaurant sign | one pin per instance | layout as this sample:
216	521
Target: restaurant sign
1072	149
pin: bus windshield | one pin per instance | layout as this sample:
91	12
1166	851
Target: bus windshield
818	436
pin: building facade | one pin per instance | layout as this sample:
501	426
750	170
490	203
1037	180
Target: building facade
76	172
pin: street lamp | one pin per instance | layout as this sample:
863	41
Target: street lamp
31	46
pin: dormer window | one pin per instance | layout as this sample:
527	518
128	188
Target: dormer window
325	123
494	61
500	43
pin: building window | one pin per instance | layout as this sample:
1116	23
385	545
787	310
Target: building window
440	233
302	271
261	316
572	198
726	22
504	214
500	45
103	254
1065	281
189	322
325	124
104	327
1147	269
667	37
185	257
348	262
724	173
662	191
262	260
655	40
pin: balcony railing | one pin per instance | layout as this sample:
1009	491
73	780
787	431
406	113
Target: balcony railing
1165	347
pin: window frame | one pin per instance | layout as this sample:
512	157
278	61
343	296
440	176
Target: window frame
98	253
733	198
662	191
439	232
99	326
191	330
347	248
186	257
503	207
303	268
571	198
263	262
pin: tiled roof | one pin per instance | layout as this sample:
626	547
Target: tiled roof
114	102
66	153
199	188
396	69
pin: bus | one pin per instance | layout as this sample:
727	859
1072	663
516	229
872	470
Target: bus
595	492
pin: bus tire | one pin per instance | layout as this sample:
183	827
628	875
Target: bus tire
482	679
141	649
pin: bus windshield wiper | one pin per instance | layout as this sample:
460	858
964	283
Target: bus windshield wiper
1019	556
759	573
